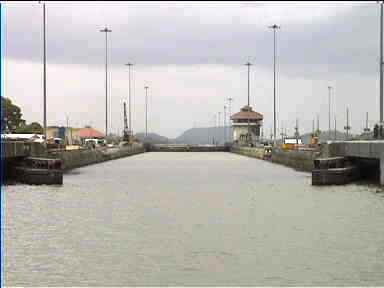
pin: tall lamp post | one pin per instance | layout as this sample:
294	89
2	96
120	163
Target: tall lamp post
129	98
146	110
106	31
45	75
381	63
225	122
230	99
347	127
219	114
329	110
249	67
274	27
214	129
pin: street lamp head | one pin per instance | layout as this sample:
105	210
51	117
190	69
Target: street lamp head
274	26
129	64
248	64
105	30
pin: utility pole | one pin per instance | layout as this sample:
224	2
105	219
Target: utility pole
249	135
214	128
347	128
274	27
329	109
313	126
219	124
230	99
225	120
106	31
45	75
66	135
318	124
126	131
282	135
381	63
297	131
130	130
366	129
335	130
146	110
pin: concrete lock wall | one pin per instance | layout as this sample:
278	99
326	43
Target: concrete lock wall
298	159
249	151
79	158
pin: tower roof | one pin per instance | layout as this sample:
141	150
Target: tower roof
247	113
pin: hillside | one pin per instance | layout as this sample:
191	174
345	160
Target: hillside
152	138
206	135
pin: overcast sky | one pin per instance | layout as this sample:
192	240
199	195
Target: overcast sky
192	57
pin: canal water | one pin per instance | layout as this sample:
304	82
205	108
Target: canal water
192	219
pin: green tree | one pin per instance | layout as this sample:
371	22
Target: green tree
33	128
11	116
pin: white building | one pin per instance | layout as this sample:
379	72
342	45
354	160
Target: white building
246	126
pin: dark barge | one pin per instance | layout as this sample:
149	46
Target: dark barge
334	171
40	171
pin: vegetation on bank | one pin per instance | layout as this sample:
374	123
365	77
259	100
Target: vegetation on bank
12	121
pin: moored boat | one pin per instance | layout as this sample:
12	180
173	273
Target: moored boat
40	171
334	171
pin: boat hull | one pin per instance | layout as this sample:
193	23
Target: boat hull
335	176
39	176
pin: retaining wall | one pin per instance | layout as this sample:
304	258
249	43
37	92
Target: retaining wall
78	158
249	151
298	159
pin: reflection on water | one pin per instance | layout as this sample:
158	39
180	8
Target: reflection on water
193	219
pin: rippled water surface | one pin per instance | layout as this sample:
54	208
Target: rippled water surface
192	219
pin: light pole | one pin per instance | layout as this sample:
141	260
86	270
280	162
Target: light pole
297	131
218	125
335	130
225	120
329	109
106	30
230	99
347	128
366	129
129	98
381	63
146	110
274	27
318	124
45	75
313	126
249	66
214	129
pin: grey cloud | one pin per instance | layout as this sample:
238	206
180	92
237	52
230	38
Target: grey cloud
344	42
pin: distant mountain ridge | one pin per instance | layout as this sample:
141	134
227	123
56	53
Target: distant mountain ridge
192	136
211	135
205	135
152	138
